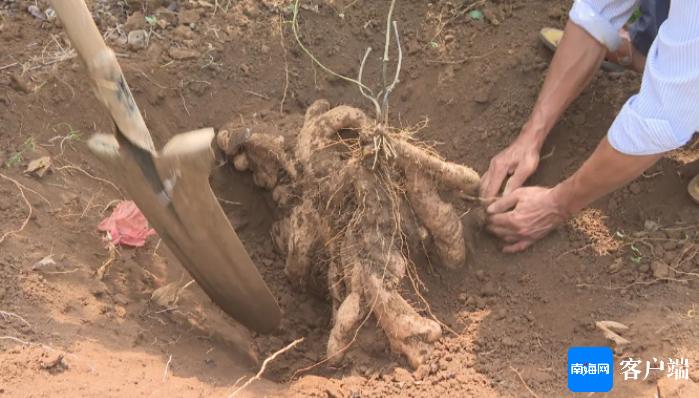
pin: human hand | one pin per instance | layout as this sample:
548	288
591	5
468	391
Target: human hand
519	161
525	216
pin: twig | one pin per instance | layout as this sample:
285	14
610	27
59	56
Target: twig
396	78
26	201
462	60
286	66
167	367
257	94
519	375
377	108
294	28
637	283
264	366
9	65
105	181
387	44
14	339
5	315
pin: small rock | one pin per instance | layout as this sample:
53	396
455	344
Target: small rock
401	375
463	298
138	39
555	12
482	95
643	268
507	341
135	21
183	32
189	17
500	314
491	16
616	266
650	225
19	84
120	311
660	269
488	289
434	368
182	53
480	274
250	10
120	299
53	363
36	12
421	372
264	49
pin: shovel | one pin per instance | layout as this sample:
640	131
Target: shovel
171	187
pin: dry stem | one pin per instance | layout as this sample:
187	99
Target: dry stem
264	366
519	375
26	201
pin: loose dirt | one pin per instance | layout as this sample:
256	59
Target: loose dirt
63	332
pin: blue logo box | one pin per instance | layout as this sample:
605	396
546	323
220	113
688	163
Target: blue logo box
590	369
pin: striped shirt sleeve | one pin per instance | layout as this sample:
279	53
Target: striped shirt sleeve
664	115
603	18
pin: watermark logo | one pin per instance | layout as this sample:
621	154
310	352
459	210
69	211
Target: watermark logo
677	368
590	369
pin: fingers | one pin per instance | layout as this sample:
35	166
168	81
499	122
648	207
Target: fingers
503	204
516	180
492	180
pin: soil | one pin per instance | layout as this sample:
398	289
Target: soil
632	259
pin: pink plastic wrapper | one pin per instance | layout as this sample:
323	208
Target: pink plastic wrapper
127	225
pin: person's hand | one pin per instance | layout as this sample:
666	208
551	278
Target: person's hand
525	216
518	161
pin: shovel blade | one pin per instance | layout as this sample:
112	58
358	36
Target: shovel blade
190	221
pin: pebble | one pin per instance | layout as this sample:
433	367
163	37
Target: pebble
135	21
188	17
137	39
660	269
120	311
421	372
480	274
643	268
183	32
401	375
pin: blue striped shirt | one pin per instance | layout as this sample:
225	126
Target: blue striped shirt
665	114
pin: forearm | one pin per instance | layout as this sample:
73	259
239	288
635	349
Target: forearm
603	172
578	57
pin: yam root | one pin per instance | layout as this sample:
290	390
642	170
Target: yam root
353	191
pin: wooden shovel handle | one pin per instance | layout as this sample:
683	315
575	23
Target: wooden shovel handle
105	73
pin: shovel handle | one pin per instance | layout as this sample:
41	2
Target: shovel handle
104	71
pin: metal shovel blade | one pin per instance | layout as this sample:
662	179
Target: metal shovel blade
189	219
